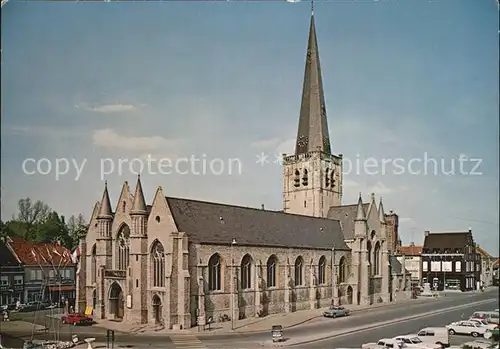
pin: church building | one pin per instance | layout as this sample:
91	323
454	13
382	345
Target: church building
178	262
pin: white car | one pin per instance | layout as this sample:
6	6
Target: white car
412	341
384	343
483	322
470	328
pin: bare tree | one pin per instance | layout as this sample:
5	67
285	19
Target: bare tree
31	214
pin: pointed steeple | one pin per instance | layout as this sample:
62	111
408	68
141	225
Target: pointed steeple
381	212
360	212
139	204
105	209
313	127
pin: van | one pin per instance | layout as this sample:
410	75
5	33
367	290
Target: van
435	335
490	316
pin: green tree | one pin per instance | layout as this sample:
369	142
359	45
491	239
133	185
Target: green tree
54	229
29	217
77	228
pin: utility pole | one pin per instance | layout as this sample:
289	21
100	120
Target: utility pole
333	275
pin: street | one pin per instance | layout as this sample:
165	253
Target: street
444	311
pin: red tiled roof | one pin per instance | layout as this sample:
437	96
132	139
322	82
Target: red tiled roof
36	253
409	250
496	263
483	252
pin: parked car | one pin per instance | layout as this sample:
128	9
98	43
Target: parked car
5	307
385	343
33	306
77	319
490	316
484	323
435	335
470	328
336	311
412	341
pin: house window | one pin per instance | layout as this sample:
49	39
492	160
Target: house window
322	270
271	271
4	281
158	264
214	273
246	272
18	279
299	269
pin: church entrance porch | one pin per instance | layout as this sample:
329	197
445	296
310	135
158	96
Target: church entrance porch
157	310
349	295
116	302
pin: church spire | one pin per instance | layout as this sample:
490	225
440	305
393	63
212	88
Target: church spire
105	209
139	204
313	127
360	211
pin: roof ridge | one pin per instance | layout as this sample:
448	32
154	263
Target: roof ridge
249	208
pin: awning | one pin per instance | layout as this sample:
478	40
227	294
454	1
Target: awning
62	288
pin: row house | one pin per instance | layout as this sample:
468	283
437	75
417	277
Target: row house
11	276
450	261
487	262
48	271
411	257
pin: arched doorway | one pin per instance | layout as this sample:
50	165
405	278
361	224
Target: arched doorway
349	295
94	300
116	302
157	309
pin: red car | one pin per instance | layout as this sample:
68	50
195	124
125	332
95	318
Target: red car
77	319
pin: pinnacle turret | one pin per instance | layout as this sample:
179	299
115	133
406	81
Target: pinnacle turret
360	211
105	211
381	212
139	204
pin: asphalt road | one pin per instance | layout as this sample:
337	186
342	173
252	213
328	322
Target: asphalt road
355	340
319	325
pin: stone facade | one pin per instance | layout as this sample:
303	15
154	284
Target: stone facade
178	262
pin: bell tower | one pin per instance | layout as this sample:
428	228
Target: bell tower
312	177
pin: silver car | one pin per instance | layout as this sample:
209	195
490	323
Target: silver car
336	311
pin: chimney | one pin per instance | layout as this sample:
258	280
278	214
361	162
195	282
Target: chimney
470	230
412	243
427	232
262	207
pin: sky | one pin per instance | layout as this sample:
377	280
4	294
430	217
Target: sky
96	82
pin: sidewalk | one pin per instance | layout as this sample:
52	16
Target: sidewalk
250	325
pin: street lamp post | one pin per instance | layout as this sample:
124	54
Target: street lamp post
232	285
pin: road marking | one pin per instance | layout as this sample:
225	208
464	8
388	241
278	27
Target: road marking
391	322
187	342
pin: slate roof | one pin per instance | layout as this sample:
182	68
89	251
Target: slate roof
7	258
209	222
411	250
448	240
45	254
346	215
396	266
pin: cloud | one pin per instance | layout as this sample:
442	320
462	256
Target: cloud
108	138
108	108
42	131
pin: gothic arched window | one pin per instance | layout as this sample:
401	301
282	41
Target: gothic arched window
296	180
93	265
305	178
327	178
370	256
299	271
214	273
158	264
322	270
246	272
342	270
332	178
123	247
272	264
376	259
